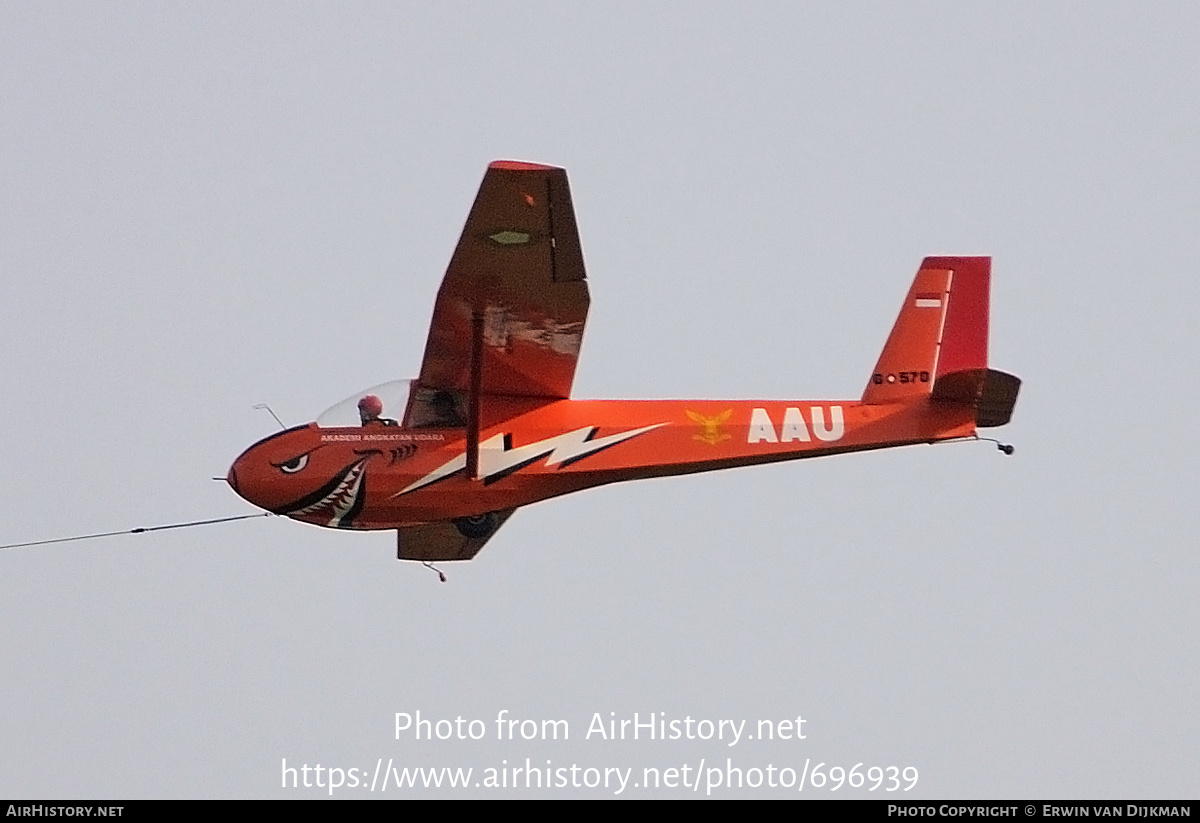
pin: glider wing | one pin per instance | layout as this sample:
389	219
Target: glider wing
514	294
445	540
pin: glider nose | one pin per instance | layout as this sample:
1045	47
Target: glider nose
252	476
275	471
241	479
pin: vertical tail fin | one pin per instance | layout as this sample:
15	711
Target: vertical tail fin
942	328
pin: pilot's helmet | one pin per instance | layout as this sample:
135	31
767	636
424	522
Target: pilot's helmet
370	407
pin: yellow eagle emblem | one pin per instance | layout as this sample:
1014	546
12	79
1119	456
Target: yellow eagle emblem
710	427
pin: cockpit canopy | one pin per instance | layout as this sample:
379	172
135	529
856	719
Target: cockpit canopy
398	402
393	402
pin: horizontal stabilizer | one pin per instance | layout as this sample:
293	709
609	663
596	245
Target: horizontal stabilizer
448	539
992	393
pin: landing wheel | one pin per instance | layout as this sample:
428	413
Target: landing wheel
480	525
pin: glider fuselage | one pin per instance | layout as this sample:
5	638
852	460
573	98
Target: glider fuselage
381	477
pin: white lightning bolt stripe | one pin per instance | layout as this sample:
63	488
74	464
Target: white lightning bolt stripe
456	465
495	459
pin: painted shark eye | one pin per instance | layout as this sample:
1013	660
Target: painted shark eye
294	465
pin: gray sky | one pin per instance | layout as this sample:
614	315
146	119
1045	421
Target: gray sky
204	207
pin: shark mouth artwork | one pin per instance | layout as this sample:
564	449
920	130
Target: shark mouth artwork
336	503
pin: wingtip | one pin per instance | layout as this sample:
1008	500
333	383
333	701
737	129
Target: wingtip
950	261
520	165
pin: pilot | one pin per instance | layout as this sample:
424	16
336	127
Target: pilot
369	409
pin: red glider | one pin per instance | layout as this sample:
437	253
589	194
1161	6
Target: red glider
489	425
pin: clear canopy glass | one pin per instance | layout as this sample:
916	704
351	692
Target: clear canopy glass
385	403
